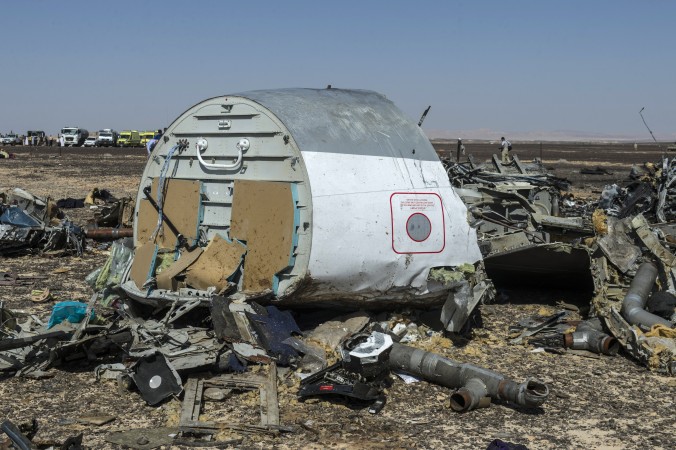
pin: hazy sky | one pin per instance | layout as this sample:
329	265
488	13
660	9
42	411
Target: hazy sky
529	66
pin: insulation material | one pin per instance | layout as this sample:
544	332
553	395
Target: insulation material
144	263
263	216
165	279
218	262
181	205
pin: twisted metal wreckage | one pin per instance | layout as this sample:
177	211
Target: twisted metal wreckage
619	246
306	198
29	223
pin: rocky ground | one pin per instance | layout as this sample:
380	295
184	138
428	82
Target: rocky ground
595	402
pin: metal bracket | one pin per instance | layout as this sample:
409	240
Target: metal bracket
185	307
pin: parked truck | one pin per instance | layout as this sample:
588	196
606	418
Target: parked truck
107	138
74	136
146	136
10	139
129	138
36	137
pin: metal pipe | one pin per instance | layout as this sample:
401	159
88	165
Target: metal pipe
11	344
108	233
473	383
471	396
153	203
593	341
589	335
633	305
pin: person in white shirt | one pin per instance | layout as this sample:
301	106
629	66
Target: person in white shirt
153	142
506	146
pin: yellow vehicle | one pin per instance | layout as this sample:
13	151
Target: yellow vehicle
129	138
146	136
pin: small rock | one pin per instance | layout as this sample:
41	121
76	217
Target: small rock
216	395
562	394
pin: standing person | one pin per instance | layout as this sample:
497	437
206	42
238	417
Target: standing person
461	150
62	141
506	147
153	142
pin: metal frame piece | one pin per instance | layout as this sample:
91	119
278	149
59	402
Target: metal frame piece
269	404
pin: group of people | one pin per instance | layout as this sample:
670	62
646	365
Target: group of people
34	141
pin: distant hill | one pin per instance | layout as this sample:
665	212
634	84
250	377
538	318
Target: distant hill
483	134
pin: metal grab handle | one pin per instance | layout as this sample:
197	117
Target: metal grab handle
201	145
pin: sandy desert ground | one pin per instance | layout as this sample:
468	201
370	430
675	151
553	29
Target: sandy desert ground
601	402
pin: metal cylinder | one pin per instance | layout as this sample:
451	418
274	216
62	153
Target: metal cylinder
108	233
530	393
593	341
633	306
471	396
472	382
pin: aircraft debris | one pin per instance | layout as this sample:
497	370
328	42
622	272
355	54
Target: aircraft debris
16	436
553	333
12	279
155	378
265	224
143	438
108	233
269	407
596	171
473	384
590	336
523	237
532	326
362	374
498	444
32	224
200	297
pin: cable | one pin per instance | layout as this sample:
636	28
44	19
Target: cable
160	190
646	125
